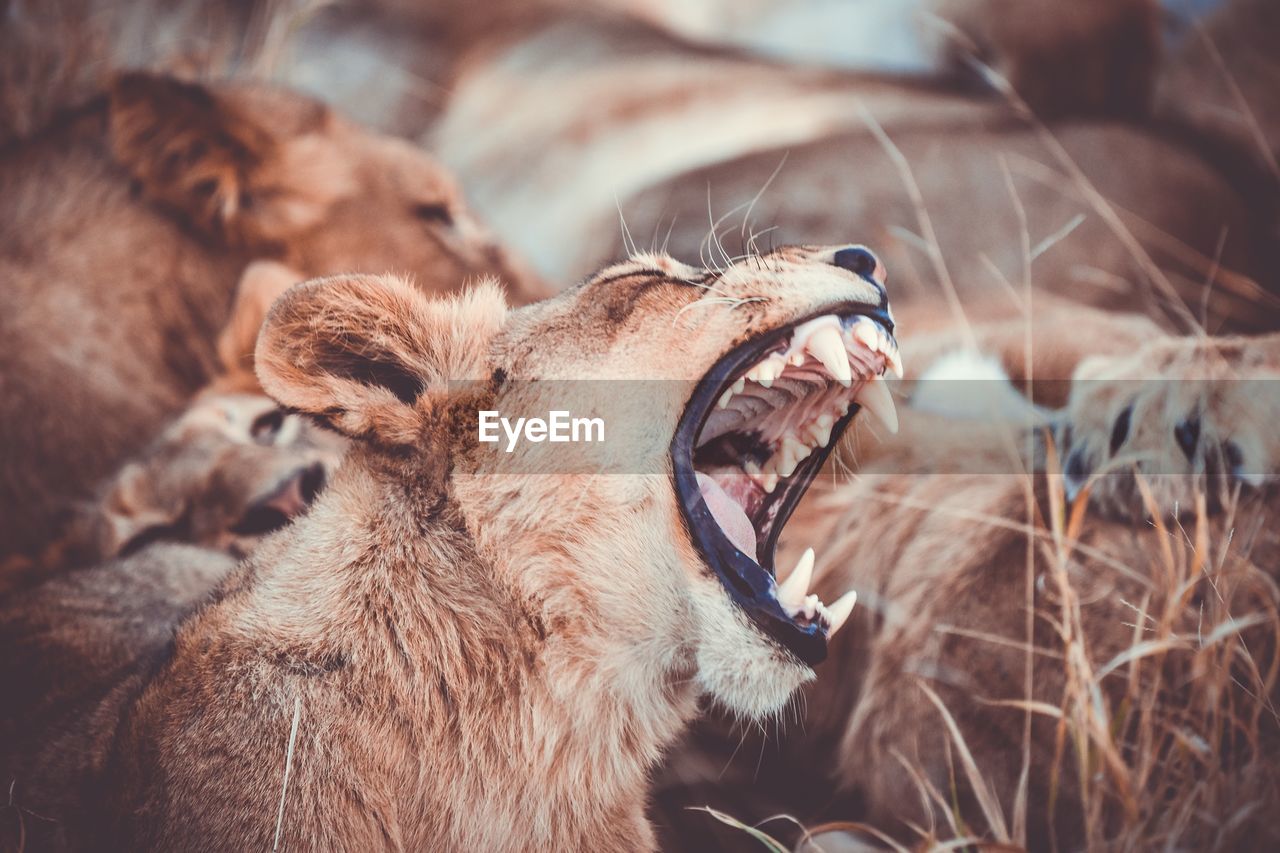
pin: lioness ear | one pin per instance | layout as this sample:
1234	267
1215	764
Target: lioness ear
261	284
371	355
188	149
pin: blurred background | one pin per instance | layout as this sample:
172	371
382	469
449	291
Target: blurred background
1132	144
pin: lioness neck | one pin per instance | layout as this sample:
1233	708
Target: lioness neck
483	718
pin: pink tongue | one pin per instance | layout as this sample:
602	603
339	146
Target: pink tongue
729	515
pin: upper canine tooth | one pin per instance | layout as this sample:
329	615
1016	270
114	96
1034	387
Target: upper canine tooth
739	385
827	346
874	396
839	610
791	592
895	362
769	482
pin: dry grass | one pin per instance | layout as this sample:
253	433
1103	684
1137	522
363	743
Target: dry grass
1170	743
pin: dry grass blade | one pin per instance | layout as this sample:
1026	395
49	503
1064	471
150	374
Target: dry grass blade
769	842
982	792
851	827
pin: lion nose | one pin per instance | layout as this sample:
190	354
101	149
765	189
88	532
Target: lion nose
859	261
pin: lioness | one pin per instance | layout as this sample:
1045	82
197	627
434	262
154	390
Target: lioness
443	653
126	225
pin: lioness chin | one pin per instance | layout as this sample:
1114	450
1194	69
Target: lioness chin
458	648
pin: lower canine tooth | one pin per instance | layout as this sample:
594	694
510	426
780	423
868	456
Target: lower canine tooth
792	591
895	362
725	398
769	482
874	396
838	611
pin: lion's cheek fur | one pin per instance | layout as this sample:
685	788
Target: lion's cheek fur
743	670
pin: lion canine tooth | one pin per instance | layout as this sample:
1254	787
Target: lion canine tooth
739	385
769	482
725	398
839	610
874	396
895	362
792	591
827	346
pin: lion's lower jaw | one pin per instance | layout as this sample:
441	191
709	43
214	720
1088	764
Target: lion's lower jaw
739	667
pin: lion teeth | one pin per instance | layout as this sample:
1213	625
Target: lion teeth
874	396
770	370
792	591
820	430
827	346
871	335
864	332
767	370
838	611
725	398
895	362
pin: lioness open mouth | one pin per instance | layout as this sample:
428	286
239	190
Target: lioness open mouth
755	432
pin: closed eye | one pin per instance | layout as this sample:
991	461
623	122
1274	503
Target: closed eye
434	213
266	427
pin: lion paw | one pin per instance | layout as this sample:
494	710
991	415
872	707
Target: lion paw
1149	432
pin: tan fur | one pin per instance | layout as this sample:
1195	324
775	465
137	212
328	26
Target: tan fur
473	663
127	224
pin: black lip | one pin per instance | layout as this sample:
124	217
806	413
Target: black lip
748	582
